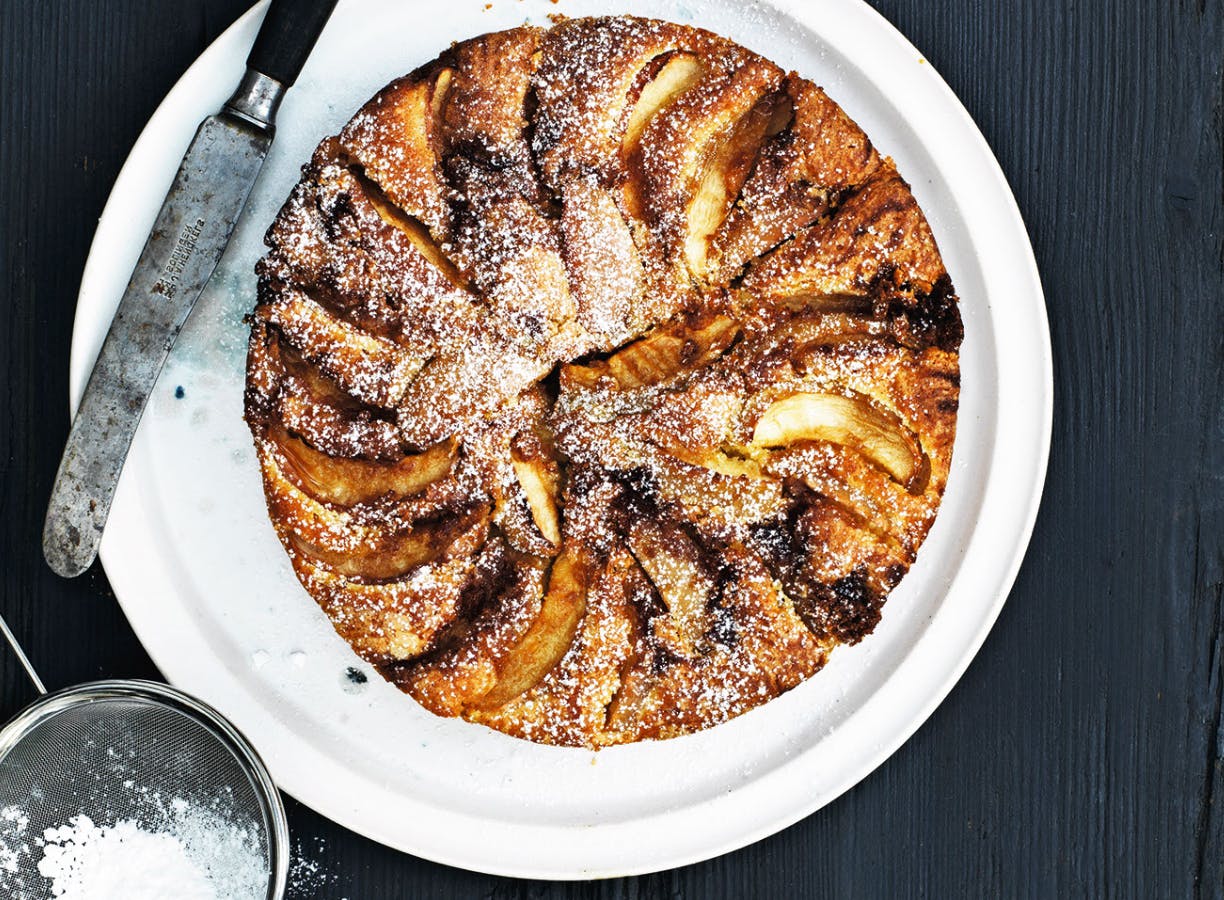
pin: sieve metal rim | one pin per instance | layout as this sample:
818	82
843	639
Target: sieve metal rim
55	702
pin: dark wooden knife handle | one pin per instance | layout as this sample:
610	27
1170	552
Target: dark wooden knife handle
287	36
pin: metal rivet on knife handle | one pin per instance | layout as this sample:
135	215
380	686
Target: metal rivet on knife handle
188	238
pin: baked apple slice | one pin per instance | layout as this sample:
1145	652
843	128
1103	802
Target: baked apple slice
412	229
798	175
394	138
851	421
375	370
877	237
694	154
395	555
550	635
590	74
677	75
660	355
725	173
538	480
346	482
605	270
487	99
312	407
730	462
673	563
826	321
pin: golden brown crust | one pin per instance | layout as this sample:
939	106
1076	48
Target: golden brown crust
878	232
603	379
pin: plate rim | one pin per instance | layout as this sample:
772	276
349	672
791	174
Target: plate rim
300	784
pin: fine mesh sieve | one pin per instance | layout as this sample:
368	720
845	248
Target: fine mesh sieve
145	753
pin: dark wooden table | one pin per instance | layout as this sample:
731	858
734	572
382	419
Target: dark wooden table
1081	755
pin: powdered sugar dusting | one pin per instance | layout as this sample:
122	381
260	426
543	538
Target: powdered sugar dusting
546	310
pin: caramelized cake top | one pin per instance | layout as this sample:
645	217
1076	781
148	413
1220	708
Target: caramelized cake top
603	379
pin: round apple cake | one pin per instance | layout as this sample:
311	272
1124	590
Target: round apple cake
603	378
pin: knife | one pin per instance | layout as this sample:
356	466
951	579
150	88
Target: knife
188	238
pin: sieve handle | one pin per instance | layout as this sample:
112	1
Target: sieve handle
22	658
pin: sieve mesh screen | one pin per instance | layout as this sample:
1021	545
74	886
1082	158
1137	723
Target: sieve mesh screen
135	759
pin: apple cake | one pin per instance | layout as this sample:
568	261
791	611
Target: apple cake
603	379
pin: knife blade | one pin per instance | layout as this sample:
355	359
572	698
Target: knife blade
188	238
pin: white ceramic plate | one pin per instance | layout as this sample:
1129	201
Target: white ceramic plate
206	586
